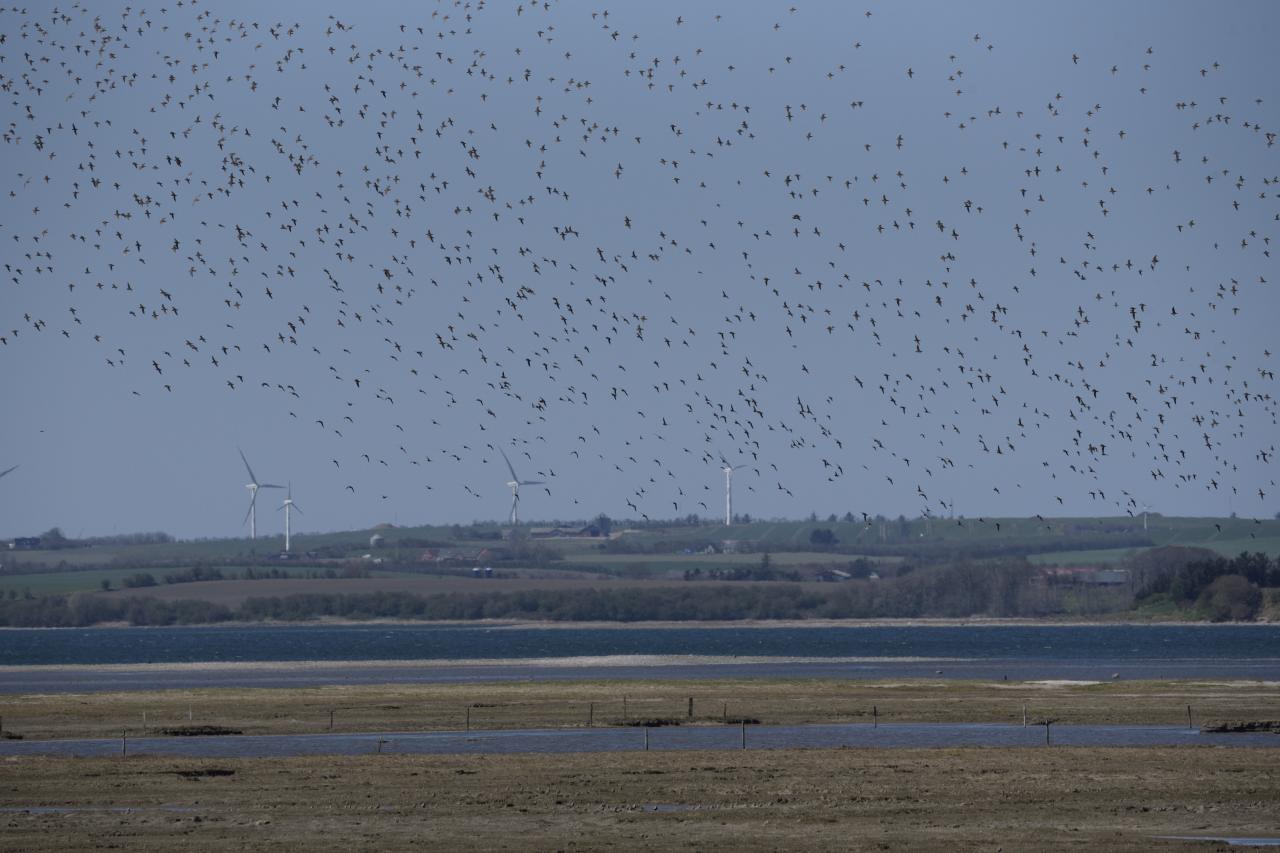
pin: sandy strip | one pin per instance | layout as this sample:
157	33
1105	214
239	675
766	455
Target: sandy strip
582	662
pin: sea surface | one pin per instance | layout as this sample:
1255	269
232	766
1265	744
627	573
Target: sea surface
93	660
435	642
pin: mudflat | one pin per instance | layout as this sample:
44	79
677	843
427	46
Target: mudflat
957	799
541	704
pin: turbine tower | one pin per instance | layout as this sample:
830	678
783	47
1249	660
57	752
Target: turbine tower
253	485
728	494
288	506
515	483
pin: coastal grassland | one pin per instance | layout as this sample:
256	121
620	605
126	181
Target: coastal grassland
90	580
954	799
539	704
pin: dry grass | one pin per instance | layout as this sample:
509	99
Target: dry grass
958	800
433	707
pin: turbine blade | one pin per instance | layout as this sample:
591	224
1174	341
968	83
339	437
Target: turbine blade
252	479
508	461
8	470
298	511
269	486
532	482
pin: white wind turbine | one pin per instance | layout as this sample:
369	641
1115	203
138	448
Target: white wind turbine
515	483
728	493
253	485
288	506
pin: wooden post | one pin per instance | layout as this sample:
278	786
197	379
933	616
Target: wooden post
468	723
380	743
189	713
330	719
124	743
1024	715
691	707
744	734
724	712
875	717
1046	732
624	707
591	712
646	738
144	722
1188	716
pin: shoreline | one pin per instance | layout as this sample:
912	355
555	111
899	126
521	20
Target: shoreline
664	624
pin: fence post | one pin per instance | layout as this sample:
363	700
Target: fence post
875	717
468	723
691	707
1188	716
330	719
646	738
1046	732
591	712
744	733
124	743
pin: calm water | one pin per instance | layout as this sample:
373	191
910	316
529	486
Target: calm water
1117	643
893	736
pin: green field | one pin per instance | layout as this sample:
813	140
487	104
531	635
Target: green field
1062	541
90	580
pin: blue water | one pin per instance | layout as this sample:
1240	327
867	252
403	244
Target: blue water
1101	643
892	736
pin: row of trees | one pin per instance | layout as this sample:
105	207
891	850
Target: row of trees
1008	588
1215	587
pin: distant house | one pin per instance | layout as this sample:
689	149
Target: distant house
1108	577
25	543
1089	575
590	531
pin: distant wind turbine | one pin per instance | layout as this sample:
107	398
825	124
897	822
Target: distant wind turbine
515	483
288	506
253	485
728	493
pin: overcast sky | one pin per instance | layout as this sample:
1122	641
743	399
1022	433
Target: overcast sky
1000	258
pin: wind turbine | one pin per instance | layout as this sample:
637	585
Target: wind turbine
288	506
1146	508
728	493
515	483
253	485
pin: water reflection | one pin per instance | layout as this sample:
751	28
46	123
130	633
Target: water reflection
860	736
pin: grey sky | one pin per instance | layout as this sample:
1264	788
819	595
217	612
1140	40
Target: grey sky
691	232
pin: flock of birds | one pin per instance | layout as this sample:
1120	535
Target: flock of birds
630	249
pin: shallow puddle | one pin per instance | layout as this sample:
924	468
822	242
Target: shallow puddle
624	739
